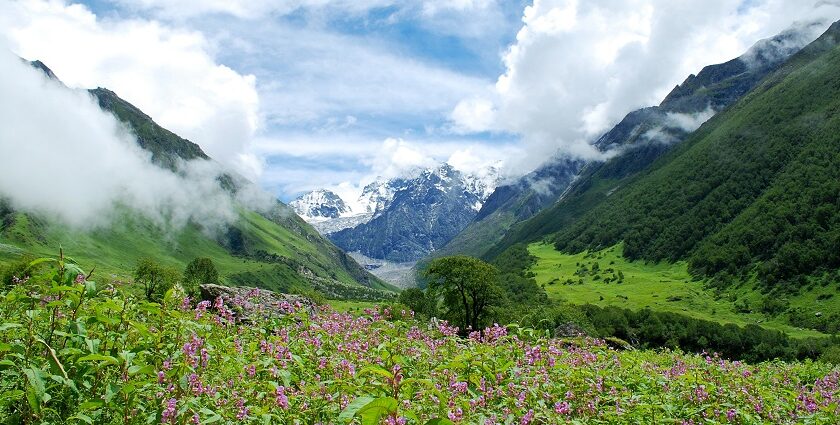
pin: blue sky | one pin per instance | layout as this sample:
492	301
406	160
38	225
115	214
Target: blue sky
304	94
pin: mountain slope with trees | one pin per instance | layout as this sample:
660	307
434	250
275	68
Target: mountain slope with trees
639	138
754	189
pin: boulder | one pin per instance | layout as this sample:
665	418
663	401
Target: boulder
252	303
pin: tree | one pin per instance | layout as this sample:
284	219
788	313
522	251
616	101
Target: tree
469	288
156	279
199	271
418	301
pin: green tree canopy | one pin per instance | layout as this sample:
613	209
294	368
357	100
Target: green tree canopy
469	288
199	271
155	278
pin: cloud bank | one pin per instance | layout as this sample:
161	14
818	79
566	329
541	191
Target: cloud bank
169	73
577	67
63	157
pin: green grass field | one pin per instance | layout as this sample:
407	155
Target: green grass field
659	286
114	250
350	306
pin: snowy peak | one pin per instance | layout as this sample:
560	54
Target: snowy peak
329	213
319	205
377	196
483	183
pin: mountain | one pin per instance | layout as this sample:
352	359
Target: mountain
636	141
319	204
271	248
377	196
421	215
751	196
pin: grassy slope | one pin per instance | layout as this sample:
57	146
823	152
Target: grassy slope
115	250
267	250
659	286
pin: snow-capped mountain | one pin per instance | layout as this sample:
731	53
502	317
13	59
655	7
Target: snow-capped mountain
401	219
377	196
420	217
319	205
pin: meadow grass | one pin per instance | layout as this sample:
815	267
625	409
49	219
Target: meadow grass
659	286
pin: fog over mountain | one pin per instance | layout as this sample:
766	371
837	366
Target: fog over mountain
63	156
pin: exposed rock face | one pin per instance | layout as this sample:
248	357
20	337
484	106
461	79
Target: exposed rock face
250	304
422	217
569	330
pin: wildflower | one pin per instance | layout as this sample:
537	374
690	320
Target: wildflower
169	413
281	398
562	408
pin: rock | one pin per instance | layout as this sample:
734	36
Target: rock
569	330
249	304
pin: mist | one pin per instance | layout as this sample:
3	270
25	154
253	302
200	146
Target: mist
65	158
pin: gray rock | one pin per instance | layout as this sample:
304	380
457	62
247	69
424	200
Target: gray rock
250	304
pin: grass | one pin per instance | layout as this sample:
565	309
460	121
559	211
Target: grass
658	286
349	306
114	250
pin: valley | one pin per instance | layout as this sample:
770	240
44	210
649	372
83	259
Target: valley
420	212
606	278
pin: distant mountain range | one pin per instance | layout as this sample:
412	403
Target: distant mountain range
400	219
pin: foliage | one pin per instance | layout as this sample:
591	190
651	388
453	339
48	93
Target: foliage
74	353
665	286
756	187
419	301
651	329
15	271
468	287
155	278
199	271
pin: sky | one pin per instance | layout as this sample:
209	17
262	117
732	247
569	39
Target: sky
303	94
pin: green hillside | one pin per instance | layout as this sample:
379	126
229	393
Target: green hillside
755	188
749	204
275	249
776	146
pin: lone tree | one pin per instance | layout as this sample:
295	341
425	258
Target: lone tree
156	279
469	288
419	301
199	271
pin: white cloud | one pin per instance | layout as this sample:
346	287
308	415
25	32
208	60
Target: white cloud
398	158
689	122
62	156
577	67
168	73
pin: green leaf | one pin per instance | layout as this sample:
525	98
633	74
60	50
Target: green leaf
439	421
141	370
90	405
82	417
36	382
213	417
372	412
110	392
99	358
41	261
6	326
349	412
378	370
11	395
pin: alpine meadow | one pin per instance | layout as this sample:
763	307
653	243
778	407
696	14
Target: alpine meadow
420	212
